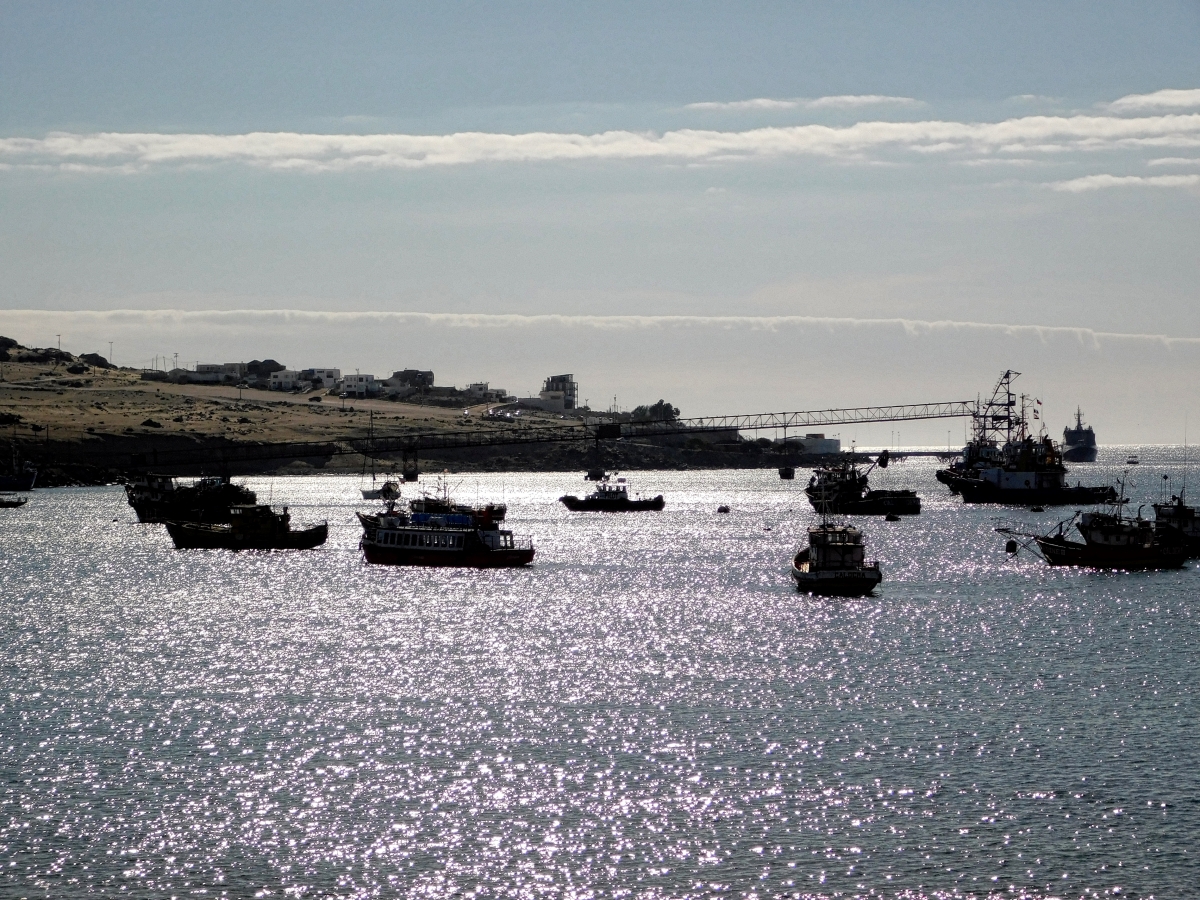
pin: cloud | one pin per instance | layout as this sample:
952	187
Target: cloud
1175	161
1033	98
1165	99
1099	182
256	321
292	152
841	101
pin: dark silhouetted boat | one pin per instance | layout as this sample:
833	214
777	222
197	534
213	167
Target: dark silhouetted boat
396	538
1111	540
250	527
162	498
1079	443
844	490
612	495
1178	515
1023	470
834	563
12	501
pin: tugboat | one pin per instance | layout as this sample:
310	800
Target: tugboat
162	498
1111	540
842	490
612	496
250	527
834	563
1079	443
395	538
1024	471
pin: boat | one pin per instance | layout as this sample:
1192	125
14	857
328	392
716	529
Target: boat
612	495
1004	463
1111	540
383	491
250	527
22	478
1079	443
12	501
396	538
161	498
787	473
1178	515
842	489
1132	460
390	487
834	563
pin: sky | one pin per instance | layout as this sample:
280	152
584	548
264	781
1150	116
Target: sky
736	207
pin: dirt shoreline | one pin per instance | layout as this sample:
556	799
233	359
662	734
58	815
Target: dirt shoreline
84	429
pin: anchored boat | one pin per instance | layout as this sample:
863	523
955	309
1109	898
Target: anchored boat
12	501
1111	540
1178	515
612	495
1024	470
162	498
250	527
395	538
843	490
834	563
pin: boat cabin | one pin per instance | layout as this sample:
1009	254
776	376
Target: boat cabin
836	547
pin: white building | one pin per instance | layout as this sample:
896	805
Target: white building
284	380
360	385
327	377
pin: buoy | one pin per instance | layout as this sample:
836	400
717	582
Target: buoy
722	508
1010	547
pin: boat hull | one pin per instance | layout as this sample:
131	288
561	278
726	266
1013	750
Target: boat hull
588	504
22	481
1079	454
873	503
838	582
476	558
192	536
976	490
1059	551
12	502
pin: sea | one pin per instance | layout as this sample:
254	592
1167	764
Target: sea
650	710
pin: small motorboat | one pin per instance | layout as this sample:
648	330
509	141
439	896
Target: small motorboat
251	527
12	501
1132	460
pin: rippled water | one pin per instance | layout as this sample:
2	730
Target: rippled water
649	711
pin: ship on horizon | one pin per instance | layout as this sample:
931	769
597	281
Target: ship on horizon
1079	443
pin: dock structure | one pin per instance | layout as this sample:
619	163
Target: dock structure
412	444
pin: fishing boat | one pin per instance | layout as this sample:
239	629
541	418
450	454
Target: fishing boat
834	563
1178	515
250	527
396	538
844	490
1111	540
22	477
612	495
162	498
12	501
1079	443
1023	470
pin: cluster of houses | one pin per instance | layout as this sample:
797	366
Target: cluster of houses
560	393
